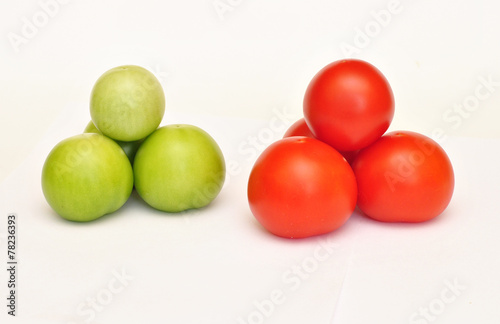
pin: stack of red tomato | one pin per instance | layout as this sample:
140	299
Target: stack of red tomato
337	157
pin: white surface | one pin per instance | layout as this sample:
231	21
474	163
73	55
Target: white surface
238	77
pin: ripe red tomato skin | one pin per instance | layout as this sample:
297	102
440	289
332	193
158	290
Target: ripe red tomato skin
300	128
403	177
301	187
348	104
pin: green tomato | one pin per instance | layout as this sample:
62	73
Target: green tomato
179	167
86	176
130	148
127	103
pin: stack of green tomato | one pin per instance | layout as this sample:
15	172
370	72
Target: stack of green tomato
173	168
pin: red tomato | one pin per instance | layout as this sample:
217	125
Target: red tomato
403	177
348	104
301	187
300	128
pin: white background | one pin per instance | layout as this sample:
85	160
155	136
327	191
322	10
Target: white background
233	70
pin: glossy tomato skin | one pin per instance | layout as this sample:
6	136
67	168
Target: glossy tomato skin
348	104
301	187
403	177
300	128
